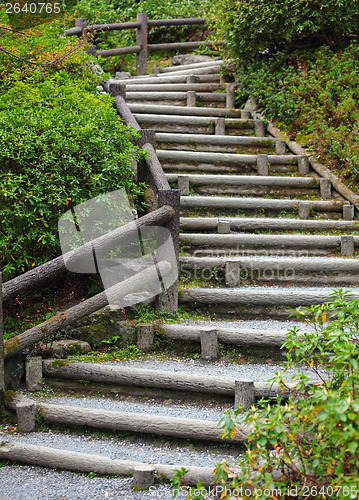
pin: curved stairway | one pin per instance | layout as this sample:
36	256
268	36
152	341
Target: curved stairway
261	233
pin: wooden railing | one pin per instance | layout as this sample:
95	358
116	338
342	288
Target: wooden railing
142	46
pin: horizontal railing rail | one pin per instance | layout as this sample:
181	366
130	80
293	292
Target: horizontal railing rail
142	46
78	30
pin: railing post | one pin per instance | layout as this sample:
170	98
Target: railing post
2	373
141	40
81	23
168	300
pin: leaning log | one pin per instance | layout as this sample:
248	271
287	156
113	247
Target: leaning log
89	306
54	267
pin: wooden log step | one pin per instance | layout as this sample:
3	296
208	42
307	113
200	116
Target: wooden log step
258	296
174	87
169	78
258	203
237	271
194	66
216	140
236	336
247	180
131	376
168	96
213	69
304	264
222	158
183	110
253	224
262	241
185	428
193	120
57	458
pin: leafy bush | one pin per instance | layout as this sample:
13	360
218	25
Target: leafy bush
60	143
39	53
314	95
266	25
309	446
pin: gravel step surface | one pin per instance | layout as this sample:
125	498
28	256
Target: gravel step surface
32	482
249	371
268	324
36	483
149	408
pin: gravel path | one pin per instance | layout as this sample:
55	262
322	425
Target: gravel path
31	482
36	483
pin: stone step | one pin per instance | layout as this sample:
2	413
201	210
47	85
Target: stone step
245	184
244	270
262	302
186	111
253	224
328	208
263	244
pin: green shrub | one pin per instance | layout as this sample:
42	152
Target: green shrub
59	146
252	26
310	444
315	95
60	143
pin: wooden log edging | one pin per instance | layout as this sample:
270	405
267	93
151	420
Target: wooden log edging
61	320
56	458
323	171
130	376
50	269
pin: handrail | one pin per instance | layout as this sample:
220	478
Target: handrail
134	25
155	168
142	47
55	266
30	337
